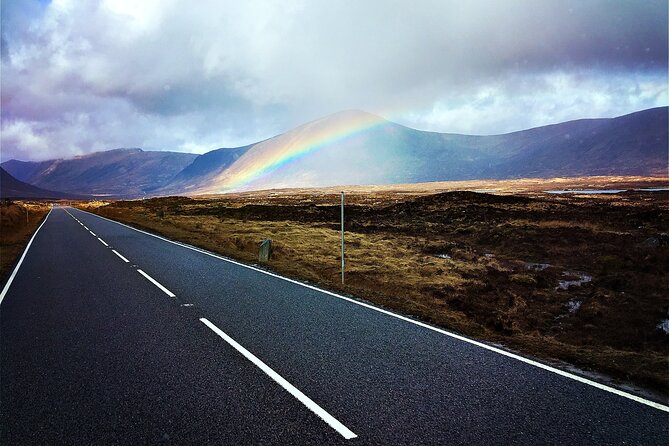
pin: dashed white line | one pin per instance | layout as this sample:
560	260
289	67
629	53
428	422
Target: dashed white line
155	282
311	405
103	242
85	227
93	233
119	254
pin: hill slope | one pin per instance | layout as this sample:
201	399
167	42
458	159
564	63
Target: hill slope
120	172
203	169
10	187
359	148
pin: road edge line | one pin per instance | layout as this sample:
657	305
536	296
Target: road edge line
18	265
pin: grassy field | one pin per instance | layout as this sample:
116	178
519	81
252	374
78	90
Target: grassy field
18	221
582	279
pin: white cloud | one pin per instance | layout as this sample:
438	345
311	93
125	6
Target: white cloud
193	76
546	99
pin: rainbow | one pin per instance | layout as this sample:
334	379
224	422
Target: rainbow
275	153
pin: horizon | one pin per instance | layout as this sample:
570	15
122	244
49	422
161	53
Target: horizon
83	77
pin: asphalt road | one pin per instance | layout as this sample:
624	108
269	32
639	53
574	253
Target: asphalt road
196	349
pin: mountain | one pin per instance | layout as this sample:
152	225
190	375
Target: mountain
203	169
355	147
10	187
120	172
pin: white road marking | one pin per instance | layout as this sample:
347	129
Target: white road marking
122	258
508	354
18	265
103	242
311	405
86	227
155	282
93	233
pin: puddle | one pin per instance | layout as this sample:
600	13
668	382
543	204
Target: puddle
536	266
565	284
604	191
573	305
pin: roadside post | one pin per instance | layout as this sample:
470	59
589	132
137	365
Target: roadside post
342	237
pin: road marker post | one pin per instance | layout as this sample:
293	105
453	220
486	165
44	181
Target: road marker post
342	237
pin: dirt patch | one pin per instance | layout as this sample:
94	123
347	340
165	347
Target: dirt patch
510	269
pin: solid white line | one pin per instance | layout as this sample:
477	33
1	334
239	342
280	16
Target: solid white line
18	265
155	282
103	242
311	405
415	322
119	254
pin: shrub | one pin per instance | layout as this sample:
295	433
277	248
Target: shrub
523	279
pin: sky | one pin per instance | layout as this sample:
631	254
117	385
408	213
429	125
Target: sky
84	76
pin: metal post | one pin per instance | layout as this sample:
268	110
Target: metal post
342	237
26	215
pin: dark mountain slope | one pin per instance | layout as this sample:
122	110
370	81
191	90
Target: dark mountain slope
10	187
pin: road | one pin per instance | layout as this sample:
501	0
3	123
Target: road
110	335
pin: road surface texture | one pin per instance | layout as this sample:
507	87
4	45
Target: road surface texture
110	335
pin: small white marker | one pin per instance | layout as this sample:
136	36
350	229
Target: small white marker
103	242
155	282
122	258
311	405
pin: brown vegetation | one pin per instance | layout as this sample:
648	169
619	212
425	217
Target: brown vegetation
583	279
18	221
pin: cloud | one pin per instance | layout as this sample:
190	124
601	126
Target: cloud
85	76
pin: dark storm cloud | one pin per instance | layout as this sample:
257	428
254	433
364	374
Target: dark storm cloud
83	76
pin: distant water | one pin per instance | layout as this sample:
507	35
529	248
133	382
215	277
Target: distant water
587	191
605	191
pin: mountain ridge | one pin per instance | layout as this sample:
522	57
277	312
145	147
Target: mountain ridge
356	147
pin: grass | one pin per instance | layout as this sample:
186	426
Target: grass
18	221
463	261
